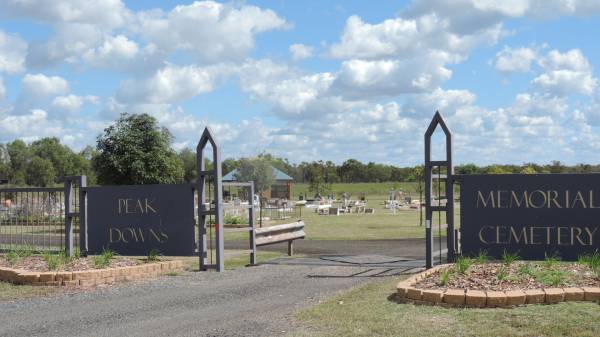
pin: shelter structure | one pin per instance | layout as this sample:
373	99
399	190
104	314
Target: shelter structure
281	188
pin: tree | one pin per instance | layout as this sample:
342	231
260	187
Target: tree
258	170
40	172
528	170
135	150
317	177
496	169
19	157
190	170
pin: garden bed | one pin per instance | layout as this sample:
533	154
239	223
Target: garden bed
24	267
509	282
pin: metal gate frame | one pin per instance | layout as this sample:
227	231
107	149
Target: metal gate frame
217	212
438	120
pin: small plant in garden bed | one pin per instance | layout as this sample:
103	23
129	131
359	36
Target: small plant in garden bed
153	255
53	261
509	258
502	273
510	274
103	260
15	255
462	264
482	257
551	261
445	277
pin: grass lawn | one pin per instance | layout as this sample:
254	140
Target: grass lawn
368	312
9	291
383	224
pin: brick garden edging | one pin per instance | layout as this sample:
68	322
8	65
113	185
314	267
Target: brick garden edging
90	277
407	293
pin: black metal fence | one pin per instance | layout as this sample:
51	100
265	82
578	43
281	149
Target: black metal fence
34	218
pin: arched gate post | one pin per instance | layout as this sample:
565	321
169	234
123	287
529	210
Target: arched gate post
203	212
449	193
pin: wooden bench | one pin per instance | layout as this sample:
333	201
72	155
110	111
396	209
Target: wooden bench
280	233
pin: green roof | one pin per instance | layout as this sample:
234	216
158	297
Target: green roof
279	175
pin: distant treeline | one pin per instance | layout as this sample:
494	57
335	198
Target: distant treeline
44	162
354	171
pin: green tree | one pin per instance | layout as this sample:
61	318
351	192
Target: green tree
496	169
19	158
61	156
528	170
258	170
135	150
190	170
317	178
40	172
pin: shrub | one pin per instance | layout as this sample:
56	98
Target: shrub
550	262
103	260
591	260
15	255
552	277
509	258
53	260
526	270
502	273
482	257
153	255
462	264
445	277
233	220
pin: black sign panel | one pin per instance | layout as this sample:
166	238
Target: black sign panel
535	215
132	220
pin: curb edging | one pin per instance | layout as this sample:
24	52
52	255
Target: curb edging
459	298
90	277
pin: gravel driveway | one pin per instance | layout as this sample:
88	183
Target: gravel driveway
257	301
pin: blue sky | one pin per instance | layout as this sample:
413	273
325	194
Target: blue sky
311	80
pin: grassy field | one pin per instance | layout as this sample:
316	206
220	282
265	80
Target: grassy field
367	312
381	225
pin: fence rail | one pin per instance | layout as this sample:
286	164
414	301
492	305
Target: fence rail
35	218
32	218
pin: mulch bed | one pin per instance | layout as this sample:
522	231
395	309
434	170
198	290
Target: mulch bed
37	263
485	277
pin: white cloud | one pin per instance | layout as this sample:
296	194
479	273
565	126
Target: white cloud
510	60
211	31
40	85
110	13
300	51
113	49
2	89
290	92
566	73
72	103
362	79
406	54
172	84
445	101
12	53
69	42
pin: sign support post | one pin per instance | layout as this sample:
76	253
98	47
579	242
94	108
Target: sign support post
449	193
203	210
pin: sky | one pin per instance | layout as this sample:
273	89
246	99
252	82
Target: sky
516	80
